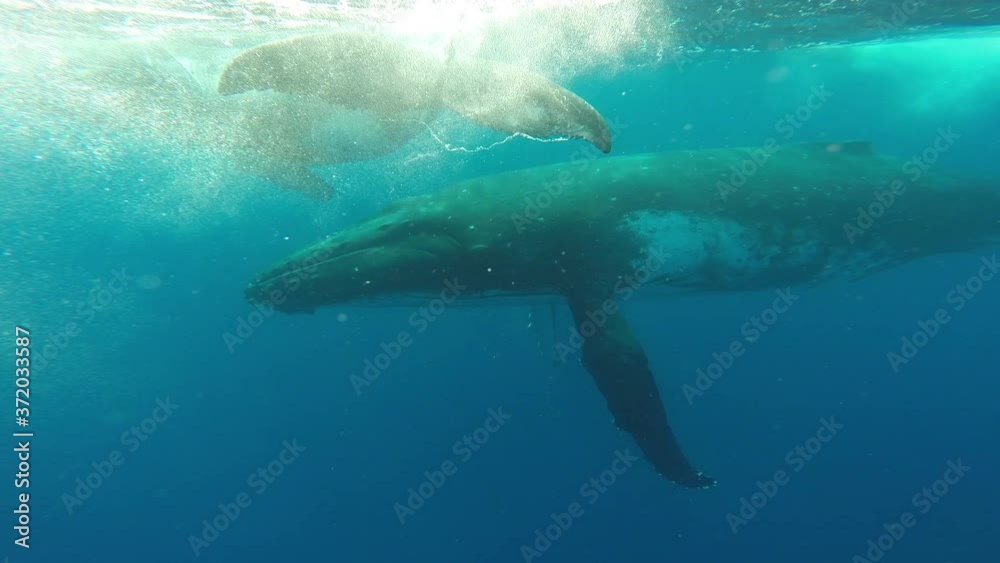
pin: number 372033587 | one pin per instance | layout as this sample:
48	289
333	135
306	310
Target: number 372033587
22	372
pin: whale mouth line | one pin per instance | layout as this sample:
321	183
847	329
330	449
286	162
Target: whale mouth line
277	277
334	259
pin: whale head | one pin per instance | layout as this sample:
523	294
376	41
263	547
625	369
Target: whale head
404	250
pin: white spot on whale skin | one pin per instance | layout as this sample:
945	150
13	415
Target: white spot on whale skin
736	256
691	241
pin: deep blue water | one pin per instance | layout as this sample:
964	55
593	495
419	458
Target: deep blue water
290	381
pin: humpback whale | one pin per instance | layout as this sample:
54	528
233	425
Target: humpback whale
700	220
340	88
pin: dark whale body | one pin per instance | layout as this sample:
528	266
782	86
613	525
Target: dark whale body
806	213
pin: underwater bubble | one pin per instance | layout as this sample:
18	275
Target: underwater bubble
777	74
148	281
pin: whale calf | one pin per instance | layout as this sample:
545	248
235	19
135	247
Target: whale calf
342	86
711	220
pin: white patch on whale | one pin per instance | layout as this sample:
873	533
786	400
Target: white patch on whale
720	252
690	240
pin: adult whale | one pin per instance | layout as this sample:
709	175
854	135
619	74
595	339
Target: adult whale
591	231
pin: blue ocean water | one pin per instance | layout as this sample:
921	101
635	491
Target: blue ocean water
150	426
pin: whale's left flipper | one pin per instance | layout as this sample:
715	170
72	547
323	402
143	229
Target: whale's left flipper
616	360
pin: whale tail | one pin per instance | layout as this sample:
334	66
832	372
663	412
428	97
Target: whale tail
618	364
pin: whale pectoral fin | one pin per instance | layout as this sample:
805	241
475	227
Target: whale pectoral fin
357	70
618	364
299	179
